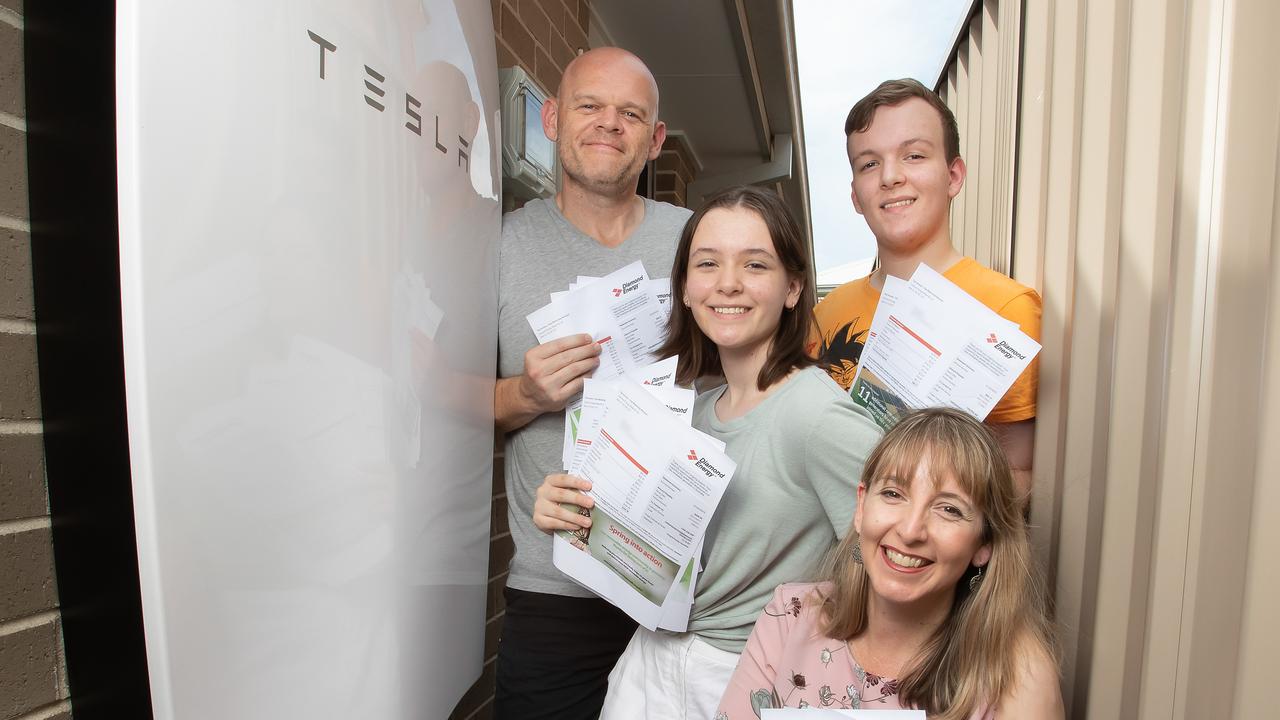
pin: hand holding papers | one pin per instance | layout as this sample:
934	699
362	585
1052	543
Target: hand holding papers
932	344
656	482
624	311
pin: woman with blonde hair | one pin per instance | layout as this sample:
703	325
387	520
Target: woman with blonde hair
930	602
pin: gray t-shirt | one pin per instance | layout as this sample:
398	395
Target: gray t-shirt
800	454
541	252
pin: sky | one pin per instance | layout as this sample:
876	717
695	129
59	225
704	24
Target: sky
845	48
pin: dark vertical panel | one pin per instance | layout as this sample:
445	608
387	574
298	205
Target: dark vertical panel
69	59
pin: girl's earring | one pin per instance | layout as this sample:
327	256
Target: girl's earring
857	552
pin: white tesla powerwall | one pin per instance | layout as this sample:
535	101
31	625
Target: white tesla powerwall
308	216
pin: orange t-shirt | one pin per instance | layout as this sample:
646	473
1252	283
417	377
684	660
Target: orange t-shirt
844	317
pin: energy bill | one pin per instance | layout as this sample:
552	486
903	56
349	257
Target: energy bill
656	483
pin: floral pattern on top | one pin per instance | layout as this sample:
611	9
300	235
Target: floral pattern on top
787	662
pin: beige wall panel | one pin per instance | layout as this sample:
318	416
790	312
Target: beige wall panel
1061	523
1093	336
1255	684
1161	55
1239	269
1172	576
1032	95
1149	160
973	137
1029	253
986	162
961	110
1146	219
1055	425
1007	110
1164	682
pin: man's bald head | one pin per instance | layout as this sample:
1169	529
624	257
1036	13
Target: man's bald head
610	62
604	121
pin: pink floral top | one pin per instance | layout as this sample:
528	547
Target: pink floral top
788	663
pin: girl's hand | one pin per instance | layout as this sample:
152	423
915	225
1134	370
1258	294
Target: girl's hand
548	513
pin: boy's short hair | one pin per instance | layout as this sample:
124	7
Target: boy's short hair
896	92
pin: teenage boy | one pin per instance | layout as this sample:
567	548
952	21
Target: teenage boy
904	150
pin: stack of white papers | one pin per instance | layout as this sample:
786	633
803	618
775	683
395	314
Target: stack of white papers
588	409
656	482
934	345
626	312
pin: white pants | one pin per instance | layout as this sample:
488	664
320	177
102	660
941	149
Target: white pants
667	676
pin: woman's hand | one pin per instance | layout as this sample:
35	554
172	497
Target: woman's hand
548	513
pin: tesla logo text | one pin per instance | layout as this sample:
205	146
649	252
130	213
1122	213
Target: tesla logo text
376	98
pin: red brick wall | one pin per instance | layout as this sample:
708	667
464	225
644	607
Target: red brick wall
541	36
674	170
32	669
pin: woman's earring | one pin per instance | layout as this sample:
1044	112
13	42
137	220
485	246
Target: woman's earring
857	552
976	580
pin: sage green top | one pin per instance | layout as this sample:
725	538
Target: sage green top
800	454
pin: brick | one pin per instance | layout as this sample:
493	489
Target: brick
576	36
29	668
584	15
676	148
26	564
494	7
14	5
16	300
669	197
555	12
500	552
499	482
13	173
535	21
570	10
498	524
546	72
668	181
561	53
670	161
506	58
495	601
484	713
23	493
517	38
19	383
11	98
492	630
478	694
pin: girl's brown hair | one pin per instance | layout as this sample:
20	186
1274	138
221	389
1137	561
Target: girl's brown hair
972	657
699	357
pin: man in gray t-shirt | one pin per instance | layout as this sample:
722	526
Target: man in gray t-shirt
559	641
